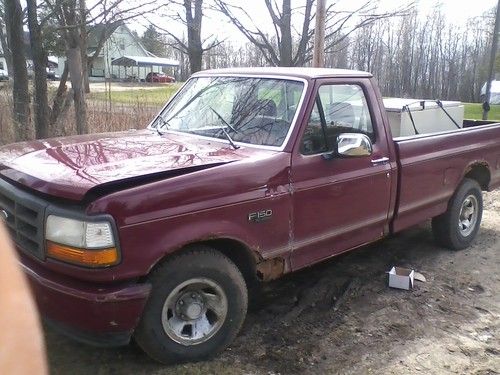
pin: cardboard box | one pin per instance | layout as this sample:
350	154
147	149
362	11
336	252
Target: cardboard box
401	278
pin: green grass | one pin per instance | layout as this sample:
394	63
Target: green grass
474	111
156	96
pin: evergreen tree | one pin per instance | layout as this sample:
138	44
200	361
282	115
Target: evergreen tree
154	41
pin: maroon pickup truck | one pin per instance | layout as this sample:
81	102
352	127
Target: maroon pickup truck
245	175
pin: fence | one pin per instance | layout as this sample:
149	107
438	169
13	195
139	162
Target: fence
102	116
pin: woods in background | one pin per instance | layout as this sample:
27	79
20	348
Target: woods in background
410	55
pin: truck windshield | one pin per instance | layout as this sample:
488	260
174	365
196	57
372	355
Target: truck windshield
256	111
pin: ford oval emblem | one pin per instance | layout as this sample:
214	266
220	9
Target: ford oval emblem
4	215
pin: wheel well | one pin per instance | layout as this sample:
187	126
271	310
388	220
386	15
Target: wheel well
481	174
237	252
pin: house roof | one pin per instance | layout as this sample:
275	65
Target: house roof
144	61
96	31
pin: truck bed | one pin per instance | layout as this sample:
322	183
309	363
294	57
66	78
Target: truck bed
432	165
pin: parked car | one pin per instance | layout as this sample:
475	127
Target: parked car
244	176
51	75
155	77
4	75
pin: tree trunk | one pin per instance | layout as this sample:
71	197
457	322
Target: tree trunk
83	47
195	48
14	18
75	67
76	77
42	111
195	60
60	96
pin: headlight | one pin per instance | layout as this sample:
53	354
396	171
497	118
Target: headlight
81	242
82	234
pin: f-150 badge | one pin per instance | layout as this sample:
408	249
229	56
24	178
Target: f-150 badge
260	216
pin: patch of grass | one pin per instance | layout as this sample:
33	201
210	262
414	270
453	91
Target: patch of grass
474	111
157	96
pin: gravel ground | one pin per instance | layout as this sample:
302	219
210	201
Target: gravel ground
341	318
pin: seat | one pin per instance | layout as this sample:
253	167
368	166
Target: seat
267	107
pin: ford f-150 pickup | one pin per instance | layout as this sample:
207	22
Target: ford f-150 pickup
243	176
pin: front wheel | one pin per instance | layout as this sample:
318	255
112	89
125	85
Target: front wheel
458	226
196	308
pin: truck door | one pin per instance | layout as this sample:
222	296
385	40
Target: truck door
338	202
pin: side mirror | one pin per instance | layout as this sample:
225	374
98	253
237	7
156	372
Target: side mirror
351	145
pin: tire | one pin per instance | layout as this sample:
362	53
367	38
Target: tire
459	225
196	308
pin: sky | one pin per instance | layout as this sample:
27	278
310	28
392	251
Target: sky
216	26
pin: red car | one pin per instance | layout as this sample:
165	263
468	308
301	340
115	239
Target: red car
155	77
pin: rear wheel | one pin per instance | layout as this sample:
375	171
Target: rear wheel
196	308
458	226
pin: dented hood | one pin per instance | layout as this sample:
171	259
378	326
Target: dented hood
69	167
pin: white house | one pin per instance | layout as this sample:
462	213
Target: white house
119	43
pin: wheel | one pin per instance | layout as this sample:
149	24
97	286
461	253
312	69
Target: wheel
458	226
196	308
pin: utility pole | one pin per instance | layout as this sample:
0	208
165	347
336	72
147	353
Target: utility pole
319	35
486	104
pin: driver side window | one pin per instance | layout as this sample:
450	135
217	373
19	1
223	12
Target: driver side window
338	109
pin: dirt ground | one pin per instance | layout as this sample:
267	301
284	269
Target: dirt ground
341	318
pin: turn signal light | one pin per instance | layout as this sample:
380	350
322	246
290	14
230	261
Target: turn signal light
83	257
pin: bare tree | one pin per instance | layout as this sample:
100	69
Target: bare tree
418	57
42	110
14	20
69	19
285	49
278	50
190	14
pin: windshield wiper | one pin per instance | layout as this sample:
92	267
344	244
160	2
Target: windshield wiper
163	123
224	121
231	142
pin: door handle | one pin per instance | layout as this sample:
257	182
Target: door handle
380	161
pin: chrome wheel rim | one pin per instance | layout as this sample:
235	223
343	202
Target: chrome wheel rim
194	311
468	215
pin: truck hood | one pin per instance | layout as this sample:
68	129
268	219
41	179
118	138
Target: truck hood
69	167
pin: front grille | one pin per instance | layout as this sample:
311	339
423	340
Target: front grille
23	215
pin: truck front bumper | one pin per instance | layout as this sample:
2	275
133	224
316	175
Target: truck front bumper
100	315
